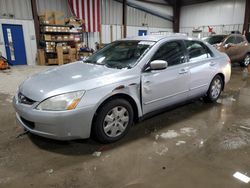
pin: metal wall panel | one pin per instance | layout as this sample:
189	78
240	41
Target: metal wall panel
112	14
137	17
219	12
53	5
21	9
223	15
131	31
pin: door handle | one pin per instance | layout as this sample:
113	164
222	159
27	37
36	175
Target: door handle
147	82
183	71
212	63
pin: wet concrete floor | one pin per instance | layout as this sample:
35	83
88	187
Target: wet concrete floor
195	145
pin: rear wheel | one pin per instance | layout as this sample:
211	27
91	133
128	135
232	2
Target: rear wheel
246	61
215	89
113	121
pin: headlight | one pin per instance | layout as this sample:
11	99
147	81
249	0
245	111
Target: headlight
67	101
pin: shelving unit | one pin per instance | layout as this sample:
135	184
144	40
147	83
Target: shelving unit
67	37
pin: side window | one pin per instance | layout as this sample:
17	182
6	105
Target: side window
197	51
172	52
239	40
230	40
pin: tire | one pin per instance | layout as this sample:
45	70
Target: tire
246	61
214	90
113	121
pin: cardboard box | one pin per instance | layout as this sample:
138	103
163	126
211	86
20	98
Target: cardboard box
59	18
41	57
74	21
72	54
59	51
47	17
47	37
53	37
52	61
59	37
66	56
71	37
65	37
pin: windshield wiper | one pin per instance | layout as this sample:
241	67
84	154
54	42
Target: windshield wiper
88	61
93	62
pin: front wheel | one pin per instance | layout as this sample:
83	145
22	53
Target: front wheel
215	89
246	61
113	121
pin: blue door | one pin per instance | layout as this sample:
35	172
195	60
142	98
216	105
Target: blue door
142	32
14	44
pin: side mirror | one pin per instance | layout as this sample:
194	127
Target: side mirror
158	65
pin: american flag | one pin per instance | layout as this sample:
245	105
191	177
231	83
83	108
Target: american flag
89	11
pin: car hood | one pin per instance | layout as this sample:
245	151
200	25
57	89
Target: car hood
67	78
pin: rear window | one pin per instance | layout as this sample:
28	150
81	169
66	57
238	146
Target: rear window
230	40
197	51
239	40
214	39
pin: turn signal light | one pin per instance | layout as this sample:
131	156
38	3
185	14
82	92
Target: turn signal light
73	104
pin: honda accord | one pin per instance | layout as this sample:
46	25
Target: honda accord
121	83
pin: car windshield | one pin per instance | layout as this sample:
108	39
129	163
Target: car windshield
121	54
214	39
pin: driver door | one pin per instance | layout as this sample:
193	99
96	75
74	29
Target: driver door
161	88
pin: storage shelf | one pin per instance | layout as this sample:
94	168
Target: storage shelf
55	52
58	41
54	25
61	33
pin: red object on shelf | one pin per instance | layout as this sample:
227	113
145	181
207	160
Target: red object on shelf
210	29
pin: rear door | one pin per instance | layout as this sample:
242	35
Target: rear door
202	67
241	48
161	88
234	46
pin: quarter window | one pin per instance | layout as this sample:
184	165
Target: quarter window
230	40
239	40
172	52
197	51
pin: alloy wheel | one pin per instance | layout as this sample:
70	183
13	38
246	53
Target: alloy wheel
216	88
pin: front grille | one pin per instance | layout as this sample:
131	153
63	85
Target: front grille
25	100
28	123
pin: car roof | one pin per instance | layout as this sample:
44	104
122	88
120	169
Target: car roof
215	35
234	34
159	37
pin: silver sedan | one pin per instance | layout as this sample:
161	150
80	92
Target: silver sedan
120	84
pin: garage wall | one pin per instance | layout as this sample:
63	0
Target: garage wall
223	15
21	9
53	5
29	38
112	14
117	31
111	19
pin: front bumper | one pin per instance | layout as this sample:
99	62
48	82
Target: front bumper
59	125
